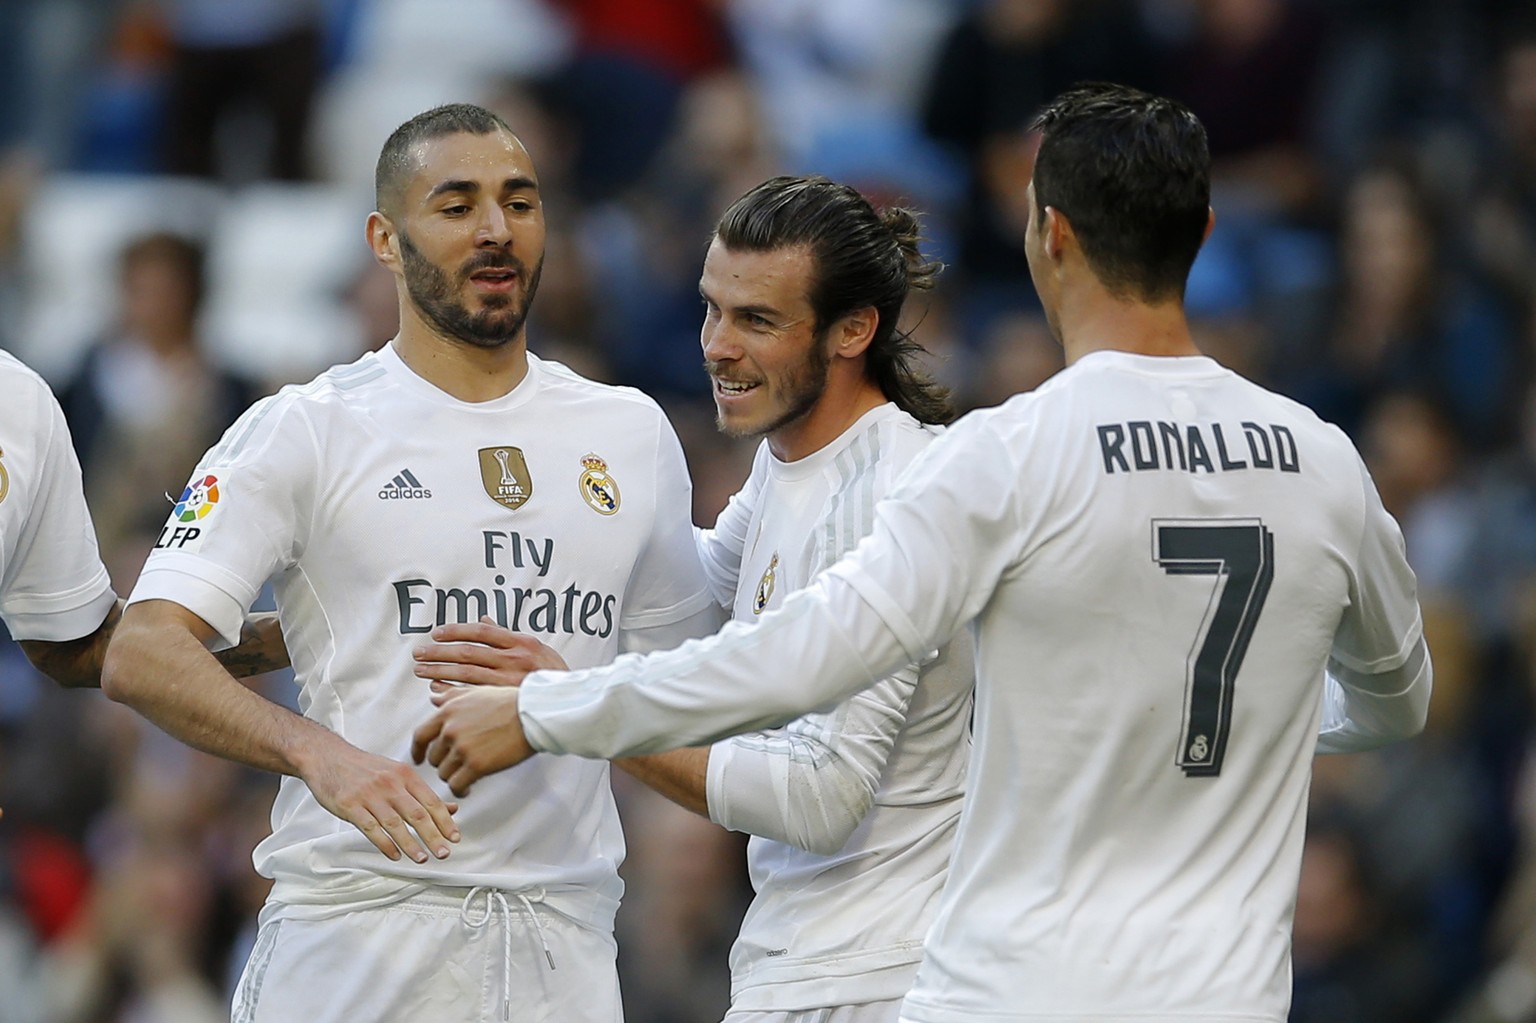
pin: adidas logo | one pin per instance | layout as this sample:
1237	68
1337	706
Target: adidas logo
404	487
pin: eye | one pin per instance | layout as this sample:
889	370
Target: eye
458	209
520	205
755	320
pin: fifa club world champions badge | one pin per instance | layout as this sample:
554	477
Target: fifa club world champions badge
598	489
504	474
5	478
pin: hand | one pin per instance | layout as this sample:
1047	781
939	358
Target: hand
482	654
475	732
384	799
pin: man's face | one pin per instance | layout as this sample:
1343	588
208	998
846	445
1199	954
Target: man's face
472	237
762	352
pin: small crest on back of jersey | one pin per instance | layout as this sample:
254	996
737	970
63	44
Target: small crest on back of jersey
764	591
598	489
504	473
5	477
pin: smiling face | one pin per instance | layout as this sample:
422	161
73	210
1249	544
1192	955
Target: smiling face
471	237
767	362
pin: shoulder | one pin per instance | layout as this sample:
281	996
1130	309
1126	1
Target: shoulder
616	406
20	382
295	408
29	410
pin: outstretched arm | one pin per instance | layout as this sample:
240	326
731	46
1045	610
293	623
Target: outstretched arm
157	663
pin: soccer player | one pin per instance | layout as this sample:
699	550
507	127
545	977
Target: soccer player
448	476
55	597
1158	559
803	284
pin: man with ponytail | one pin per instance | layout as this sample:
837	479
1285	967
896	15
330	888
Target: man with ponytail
852	809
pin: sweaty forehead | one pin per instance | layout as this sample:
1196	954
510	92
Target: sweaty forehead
485	161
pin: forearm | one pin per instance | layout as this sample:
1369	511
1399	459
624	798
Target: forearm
813	652
76	663
168	676
261	647
680	775
1364	711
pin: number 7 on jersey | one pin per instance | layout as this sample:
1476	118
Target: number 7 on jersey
1240	553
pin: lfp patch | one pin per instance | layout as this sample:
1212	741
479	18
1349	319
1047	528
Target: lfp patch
197	501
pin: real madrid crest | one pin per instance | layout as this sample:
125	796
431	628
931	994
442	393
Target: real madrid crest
5	478
598	489
764	591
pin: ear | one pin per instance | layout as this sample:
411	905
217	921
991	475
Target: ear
1210	224
852	334
1054	232
384	240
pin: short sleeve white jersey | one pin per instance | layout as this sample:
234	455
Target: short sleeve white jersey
1158	559
380	507
53	586
824	929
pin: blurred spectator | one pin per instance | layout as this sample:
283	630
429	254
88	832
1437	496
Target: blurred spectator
243	76
1504	215
632	61
146	403
1406	315
1350	963
994	70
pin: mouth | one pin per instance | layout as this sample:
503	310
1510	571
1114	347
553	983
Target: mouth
734	388
494	278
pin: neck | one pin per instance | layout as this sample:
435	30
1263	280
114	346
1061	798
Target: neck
1096	320
840	406
465	371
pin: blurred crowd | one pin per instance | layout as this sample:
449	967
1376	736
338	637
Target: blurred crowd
182	188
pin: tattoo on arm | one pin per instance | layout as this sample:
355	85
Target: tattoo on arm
261	648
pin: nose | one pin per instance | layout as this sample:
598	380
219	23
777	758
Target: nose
717	341
495	227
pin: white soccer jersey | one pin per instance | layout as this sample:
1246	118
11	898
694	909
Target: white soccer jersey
1158	558
53	586
851	805
380	507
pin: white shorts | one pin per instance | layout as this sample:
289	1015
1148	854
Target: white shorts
866	1012
424	959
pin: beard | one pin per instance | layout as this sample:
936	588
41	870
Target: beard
796	391
433	293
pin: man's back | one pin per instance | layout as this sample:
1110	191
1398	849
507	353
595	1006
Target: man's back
1172	551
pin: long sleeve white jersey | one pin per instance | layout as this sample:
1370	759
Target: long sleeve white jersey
53	586
1158	559
854	809
380	507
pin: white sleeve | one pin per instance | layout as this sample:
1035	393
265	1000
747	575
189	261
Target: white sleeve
941	542
722	547
666	586
810	783
1379	671
244	516
55	587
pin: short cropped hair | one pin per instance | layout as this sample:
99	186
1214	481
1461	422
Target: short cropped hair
1131	172
396	164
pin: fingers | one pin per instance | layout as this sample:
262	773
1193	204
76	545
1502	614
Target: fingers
422	738
485	631
471	674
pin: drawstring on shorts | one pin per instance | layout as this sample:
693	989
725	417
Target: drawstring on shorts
496	900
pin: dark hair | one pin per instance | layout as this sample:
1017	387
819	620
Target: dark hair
1132	174
181	252
395	161
862	258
